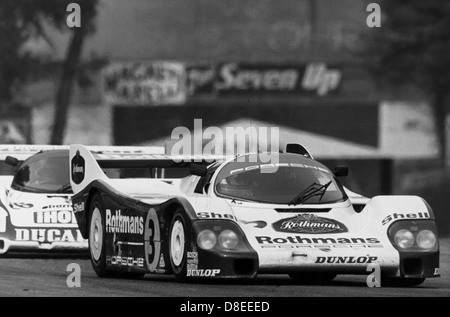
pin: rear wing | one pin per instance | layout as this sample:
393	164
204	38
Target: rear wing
89	163
22	152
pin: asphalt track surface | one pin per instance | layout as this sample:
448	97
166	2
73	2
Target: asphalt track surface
37	275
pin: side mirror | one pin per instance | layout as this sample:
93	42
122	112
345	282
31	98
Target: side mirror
198	170
12	161
296	148
341	171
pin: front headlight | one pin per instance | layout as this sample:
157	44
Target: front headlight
228	239
426	239
414	235
404	239
206	239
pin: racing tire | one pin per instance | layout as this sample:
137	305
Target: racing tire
97	245
177	247
305	278
97	235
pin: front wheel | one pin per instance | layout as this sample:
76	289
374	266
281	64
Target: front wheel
178	245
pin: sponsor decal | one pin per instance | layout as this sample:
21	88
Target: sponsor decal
206	215
192	257
321	247
264	240
78	207
319	78
48	235
345	259
395	216
311	79
255	224
78	168
200	79
149	83
54	217
118	223
203	272
64	206
127	261
310	224
192	261
233	76
20	205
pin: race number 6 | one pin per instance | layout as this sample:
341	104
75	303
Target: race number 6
152	240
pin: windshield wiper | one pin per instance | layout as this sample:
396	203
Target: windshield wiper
65	189
312	190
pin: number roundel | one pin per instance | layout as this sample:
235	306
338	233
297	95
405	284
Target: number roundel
152	240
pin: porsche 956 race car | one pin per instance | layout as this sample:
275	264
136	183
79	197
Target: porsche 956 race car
35	207
232	218
35	198
20	153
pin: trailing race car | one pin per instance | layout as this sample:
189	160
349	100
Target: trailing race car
240	216
20	153
35	202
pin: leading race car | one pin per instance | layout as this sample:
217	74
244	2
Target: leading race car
35	200
241	216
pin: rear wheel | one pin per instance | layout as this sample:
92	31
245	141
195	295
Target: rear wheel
312	278
97	245
97	234
178	245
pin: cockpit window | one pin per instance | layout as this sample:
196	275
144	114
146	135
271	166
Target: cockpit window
296	180
44	174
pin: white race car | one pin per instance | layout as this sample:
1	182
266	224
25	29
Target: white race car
35	200
240	216
20	153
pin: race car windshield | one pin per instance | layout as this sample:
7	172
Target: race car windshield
44	175
296	180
